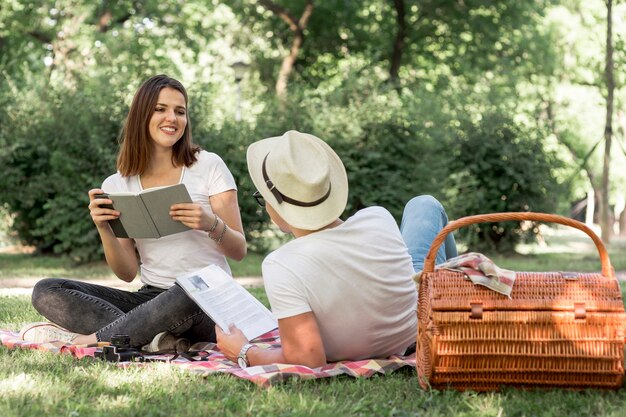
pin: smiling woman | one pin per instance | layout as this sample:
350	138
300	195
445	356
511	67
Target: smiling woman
156	151
169	119
159	106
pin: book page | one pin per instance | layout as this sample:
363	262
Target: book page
226	301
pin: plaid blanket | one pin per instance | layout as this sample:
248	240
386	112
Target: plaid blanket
481	270
213	361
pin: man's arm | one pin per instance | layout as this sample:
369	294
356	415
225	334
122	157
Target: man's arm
301	343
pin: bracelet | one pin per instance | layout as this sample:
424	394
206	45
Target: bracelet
219	239
217	219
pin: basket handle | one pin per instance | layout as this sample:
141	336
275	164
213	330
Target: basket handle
429	262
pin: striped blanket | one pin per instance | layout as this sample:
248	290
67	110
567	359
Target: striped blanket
215	362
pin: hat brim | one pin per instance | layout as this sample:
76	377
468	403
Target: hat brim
305	218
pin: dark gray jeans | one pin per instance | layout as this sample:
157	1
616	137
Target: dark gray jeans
88	308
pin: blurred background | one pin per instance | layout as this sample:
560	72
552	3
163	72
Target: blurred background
489	106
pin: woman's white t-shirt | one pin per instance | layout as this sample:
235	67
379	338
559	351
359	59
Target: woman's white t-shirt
165	258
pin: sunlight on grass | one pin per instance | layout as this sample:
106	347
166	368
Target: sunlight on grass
123	380
563	249
41	383
25	265
114	403
42	386
21	385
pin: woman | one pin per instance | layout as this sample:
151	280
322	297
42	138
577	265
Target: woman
156	150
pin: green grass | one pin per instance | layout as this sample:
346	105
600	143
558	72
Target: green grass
24	265
35	383
564	250
250	266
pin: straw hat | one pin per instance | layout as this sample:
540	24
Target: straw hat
301	177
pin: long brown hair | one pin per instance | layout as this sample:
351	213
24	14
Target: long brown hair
135	141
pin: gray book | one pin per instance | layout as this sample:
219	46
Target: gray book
146	215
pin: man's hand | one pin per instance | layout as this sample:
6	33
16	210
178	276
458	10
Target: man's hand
230	343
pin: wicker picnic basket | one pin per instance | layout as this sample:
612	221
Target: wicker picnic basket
558	329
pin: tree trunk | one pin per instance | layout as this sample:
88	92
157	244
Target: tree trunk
297	26
287	66
621	126
593	191
398	44
606	224
591	207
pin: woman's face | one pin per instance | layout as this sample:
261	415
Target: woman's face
169	118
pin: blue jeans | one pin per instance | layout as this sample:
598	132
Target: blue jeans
87	308
422	219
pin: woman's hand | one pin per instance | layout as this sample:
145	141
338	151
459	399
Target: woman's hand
223	224
193	215
230	343
119	253
100	214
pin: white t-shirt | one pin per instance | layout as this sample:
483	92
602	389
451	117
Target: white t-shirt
163	259
356	279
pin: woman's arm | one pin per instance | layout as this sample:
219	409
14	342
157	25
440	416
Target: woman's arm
300	340
119	253
231	239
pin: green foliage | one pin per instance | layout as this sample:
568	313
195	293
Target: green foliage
71	67
394	147
230	142
389	144
394	154
500	166
66	145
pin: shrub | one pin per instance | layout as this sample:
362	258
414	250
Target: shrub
500	166
59	143
65	145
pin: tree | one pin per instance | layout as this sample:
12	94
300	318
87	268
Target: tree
606	224
399	42
333	68
297	26
576	98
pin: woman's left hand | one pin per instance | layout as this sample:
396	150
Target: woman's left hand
230	343
223	211
192	215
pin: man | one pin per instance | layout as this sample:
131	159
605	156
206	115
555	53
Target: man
341	290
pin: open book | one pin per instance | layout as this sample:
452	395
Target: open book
226	301
146	214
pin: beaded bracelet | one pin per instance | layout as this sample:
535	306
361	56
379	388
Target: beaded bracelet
217	219
218	240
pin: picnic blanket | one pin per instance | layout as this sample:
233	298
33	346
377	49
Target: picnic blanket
215	362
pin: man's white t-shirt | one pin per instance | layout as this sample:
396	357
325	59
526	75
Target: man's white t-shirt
165	258
356	278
